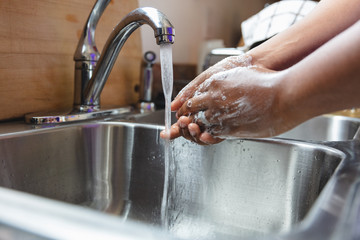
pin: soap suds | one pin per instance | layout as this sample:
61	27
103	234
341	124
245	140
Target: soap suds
200	118
243	60
189	103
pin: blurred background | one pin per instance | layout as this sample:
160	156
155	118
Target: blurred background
198	22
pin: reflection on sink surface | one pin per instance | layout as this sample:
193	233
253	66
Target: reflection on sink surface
325	128
236	188
322	128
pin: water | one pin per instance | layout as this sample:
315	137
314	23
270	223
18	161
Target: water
167	80
167	84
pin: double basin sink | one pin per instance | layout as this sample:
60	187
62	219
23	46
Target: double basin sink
105	179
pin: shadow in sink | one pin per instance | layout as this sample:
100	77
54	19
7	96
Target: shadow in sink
236	188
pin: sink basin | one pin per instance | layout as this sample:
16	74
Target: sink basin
321	128
238	188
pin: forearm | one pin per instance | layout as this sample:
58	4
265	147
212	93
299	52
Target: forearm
328	19
327	80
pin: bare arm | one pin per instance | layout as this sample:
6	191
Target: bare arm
327	80
329	18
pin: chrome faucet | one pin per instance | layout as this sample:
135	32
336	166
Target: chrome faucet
92	69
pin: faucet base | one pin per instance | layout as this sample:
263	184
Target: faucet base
75	115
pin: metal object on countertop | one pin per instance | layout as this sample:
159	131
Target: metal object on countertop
146	82
75	115
218	54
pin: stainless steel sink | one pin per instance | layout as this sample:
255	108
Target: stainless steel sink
239	188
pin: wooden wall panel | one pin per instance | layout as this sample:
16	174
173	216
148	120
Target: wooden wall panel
37	42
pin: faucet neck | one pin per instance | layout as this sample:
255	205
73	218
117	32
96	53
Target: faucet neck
90	74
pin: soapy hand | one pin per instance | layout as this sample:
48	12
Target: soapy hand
184	125
226	64
230	102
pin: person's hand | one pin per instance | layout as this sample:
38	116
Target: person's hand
184	127
240	102
226	64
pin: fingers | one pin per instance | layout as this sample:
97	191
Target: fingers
191	131
202	138
174	132
185	132
194	131
179	129
176	104
195	104
184	123
182	97
207	138
196	134
189	90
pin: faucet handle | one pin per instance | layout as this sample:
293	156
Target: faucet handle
86	54
86	49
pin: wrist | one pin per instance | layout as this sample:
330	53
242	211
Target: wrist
274	57
293	100
302	96
259	58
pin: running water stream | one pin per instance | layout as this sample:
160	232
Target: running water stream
167	84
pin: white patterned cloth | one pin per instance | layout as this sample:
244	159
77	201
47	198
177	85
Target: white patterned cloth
274	19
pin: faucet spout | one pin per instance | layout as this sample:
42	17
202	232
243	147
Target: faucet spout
164	32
